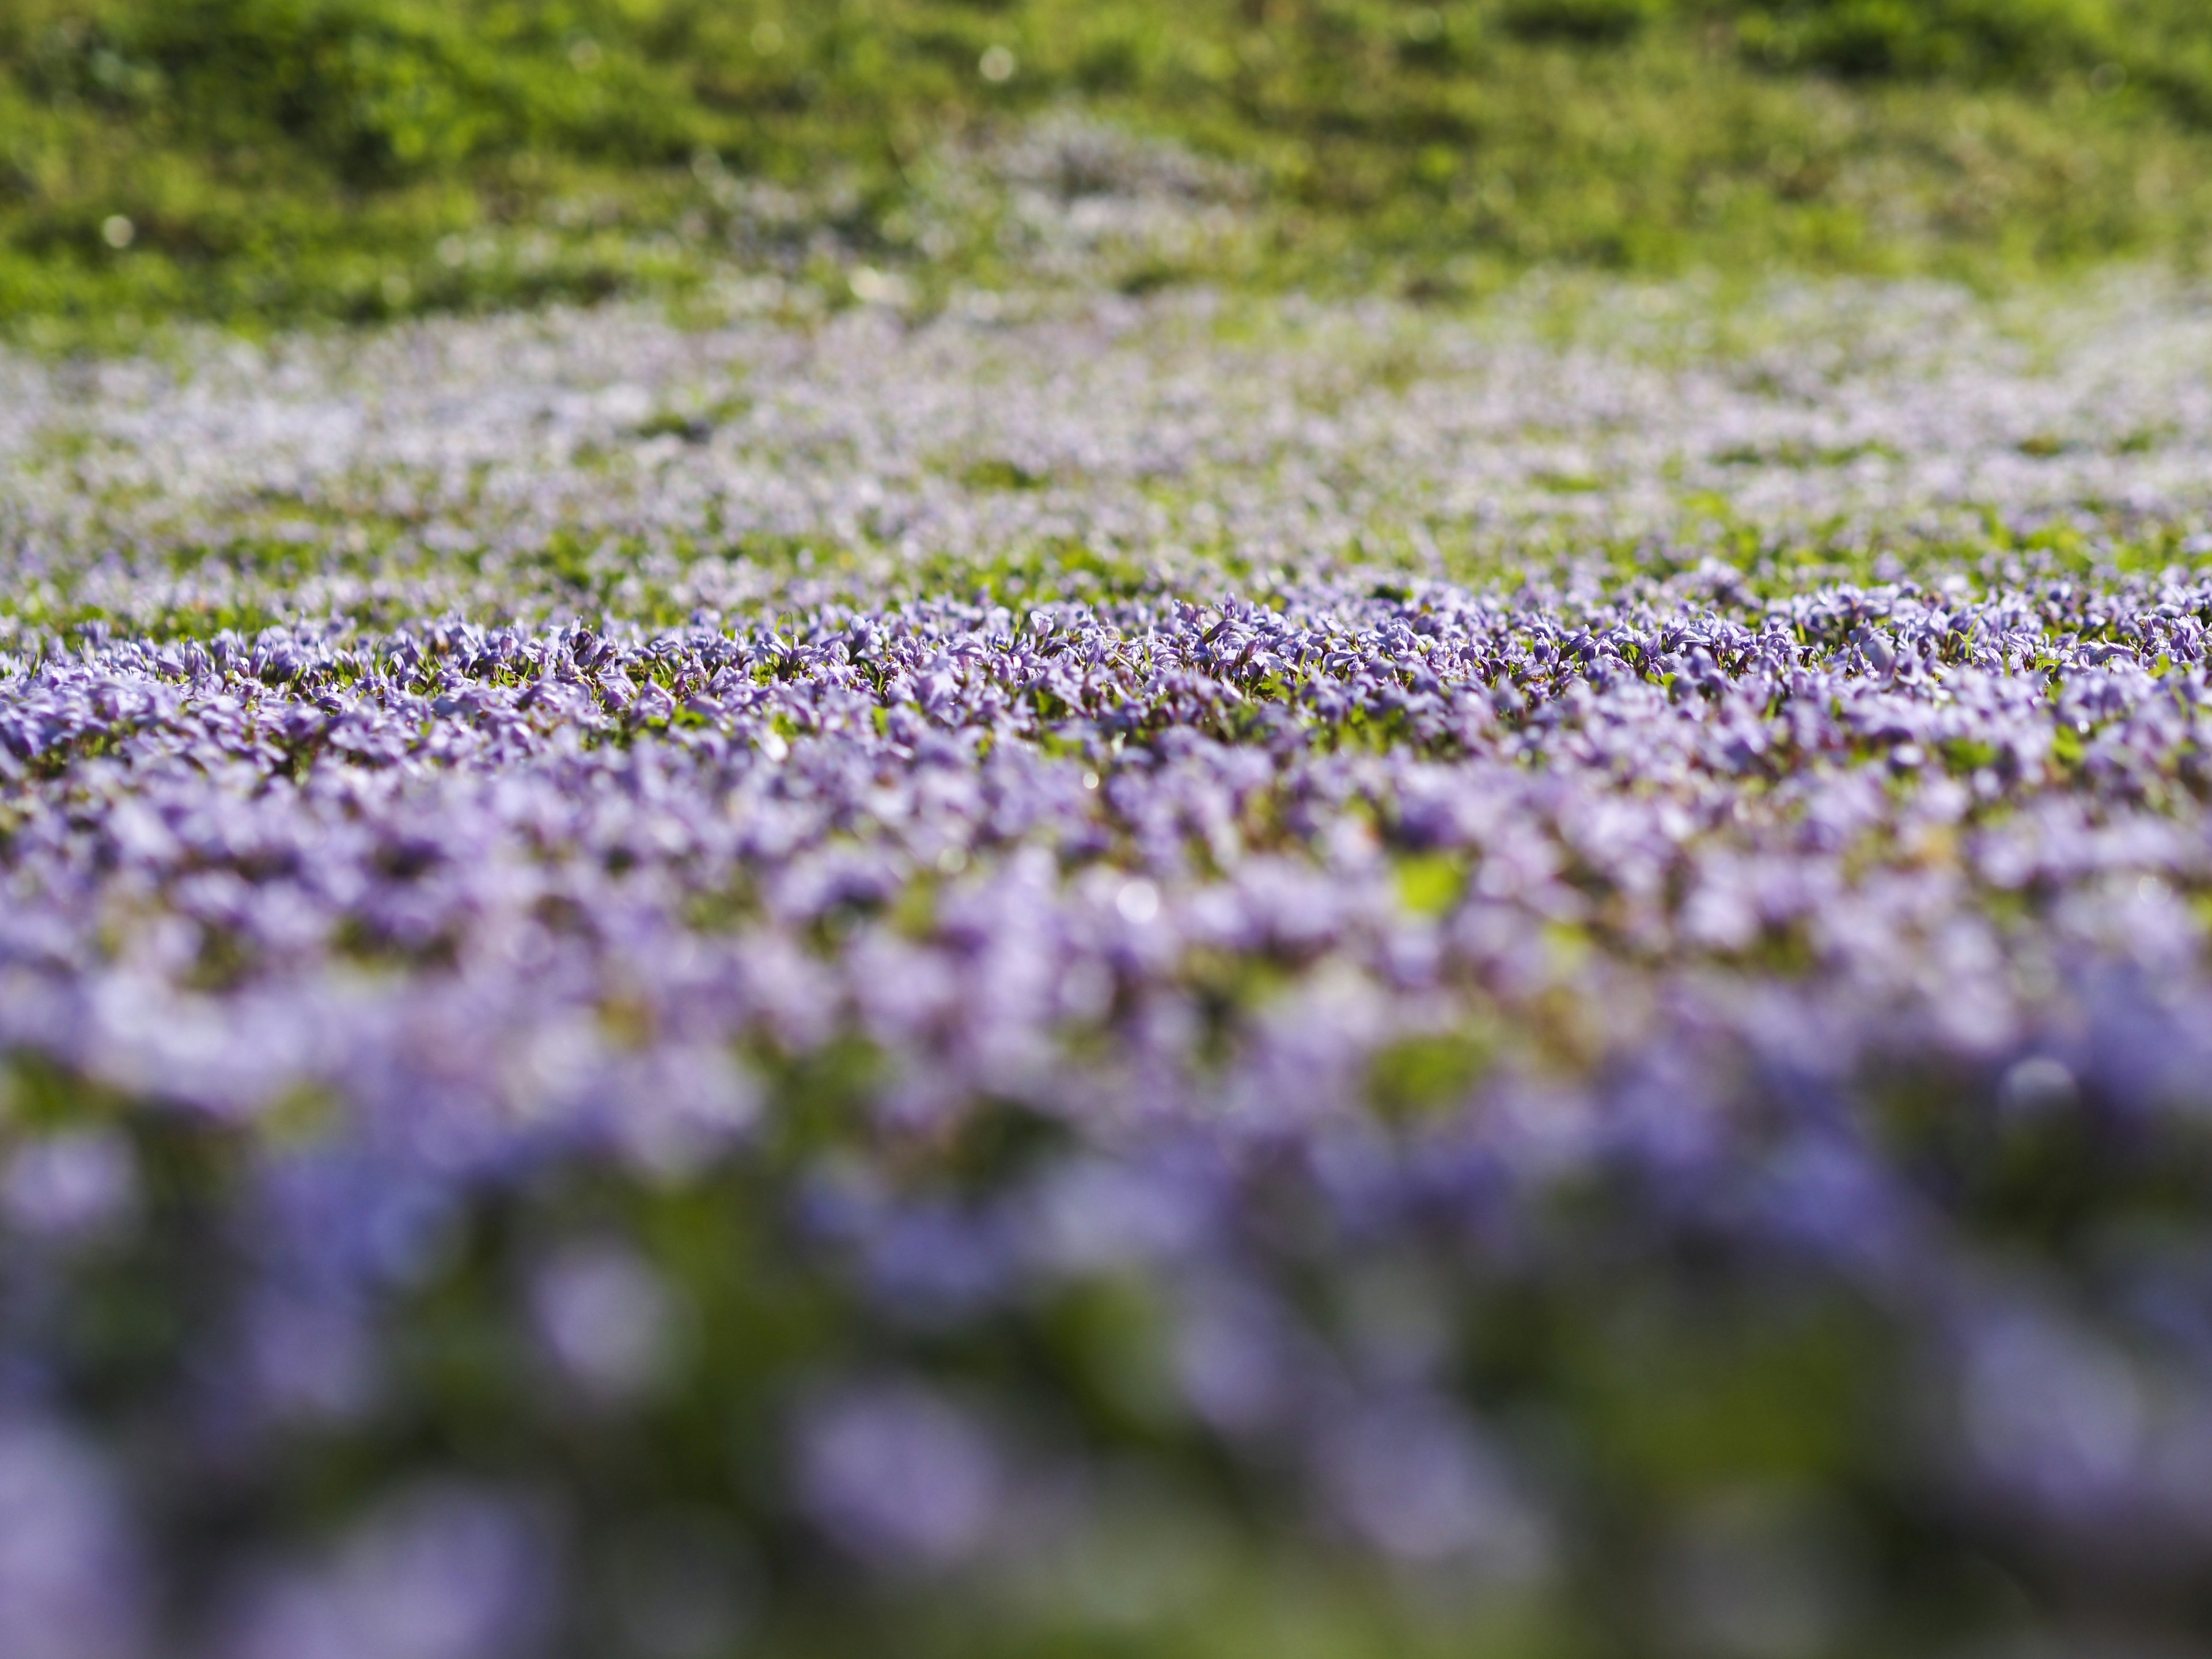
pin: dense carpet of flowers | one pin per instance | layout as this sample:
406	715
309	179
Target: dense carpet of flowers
604	463
1660	1108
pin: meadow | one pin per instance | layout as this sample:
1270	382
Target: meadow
263	161
1013	829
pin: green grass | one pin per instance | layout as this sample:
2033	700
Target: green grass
280	160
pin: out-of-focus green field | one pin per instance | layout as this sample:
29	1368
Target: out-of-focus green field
279	159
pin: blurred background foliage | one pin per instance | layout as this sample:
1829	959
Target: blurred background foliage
276	159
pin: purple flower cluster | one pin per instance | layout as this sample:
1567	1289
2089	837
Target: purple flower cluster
459	876
1139	959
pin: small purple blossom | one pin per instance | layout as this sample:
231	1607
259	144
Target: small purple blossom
896	1474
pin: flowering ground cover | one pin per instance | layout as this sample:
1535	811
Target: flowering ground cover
1095	975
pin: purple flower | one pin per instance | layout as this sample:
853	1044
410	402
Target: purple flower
899	1475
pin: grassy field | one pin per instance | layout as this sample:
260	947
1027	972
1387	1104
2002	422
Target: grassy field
1053	831
259	161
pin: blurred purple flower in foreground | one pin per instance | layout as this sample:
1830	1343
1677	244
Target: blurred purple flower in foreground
896	1474
70	1578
